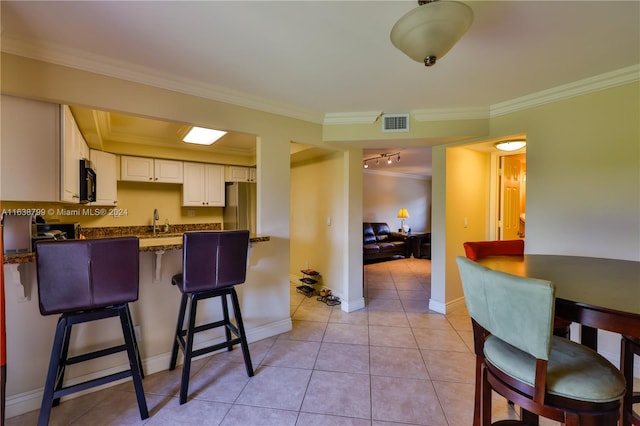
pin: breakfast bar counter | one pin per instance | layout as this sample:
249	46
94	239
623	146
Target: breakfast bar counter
149	242
264	300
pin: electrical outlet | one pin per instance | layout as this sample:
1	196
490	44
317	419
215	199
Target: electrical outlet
136	330
191	213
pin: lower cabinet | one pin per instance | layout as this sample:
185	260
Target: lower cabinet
203	185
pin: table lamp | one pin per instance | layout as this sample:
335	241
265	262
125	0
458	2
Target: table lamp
403	214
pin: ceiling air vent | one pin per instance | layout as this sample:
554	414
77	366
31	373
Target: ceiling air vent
395	122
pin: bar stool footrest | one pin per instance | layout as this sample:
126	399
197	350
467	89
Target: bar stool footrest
68	390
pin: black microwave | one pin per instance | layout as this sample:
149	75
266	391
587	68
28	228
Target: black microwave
87	182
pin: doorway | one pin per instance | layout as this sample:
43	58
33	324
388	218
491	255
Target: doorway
511	202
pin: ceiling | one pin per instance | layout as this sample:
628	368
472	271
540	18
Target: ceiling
307	59
105	130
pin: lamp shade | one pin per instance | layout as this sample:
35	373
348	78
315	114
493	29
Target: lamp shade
403	214
429	31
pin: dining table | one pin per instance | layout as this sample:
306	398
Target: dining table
598	293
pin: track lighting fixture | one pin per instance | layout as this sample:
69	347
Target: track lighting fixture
385	156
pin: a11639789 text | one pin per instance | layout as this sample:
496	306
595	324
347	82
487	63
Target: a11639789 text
82	211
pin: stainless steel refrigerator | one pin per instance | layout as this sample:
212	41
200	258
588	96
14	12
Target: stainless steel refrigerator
240	206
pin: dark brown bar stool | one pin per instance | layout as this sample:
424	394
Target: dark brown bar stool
88	280
213	263
630	348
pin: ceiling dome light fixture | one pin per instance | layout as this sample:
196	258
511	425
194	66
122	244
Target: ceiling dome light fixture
429	31
511	145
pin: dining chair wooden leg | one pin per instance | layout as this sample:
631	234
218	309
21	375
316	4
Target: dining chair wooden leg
630	347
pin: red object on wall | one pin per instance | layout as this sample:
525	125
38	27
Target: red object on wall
478	249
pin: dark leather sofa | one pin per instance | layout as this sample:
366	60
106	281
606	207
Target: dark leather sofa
380	243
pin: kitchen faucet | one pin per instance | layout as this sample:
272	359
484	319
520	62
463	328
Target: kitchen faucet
156	218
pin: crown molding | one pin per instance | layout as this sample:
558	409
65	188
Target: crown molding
581	87
86	61
445	114
366	117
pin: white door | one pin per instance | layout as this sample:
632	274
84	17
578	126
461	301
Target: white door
511	197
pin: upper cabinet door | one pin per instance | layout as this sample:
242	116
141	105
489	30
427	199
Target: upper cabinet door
138	169
239	174
143	169
30	164
104	164
215	194
168	171
73	148
203	185
193	191
236	174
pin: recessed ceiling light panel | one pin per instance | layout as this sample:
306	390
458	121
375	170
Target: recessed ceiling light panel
203	136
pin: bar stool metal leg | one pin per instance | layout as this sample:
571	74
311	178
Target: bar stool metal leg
239	331
135	341
52	372
135	363
179	332
188	349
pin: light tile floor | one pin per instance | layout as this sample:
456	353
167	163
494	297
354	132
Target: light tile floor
392	363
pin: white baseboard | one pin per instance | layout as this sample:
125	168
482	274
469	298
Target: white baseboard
443	308
353	305
28	401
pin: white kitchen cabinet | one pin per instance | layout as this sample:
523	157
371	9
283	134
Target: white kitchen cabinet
143	169
73	149
203	185
104	164
30	157
239	174
138	169
167	171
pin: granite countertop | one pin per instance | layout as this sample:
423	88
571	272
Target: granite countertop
171	240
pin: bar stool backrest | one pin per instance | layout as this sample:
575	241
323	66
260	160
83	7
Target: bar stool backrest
214	259
75	275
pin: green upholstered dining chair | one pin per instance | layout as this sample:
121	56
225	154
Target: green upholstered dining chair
518	356
475	250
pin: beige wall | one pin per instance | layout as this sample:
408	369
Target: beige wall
583	173
385	194
466	205
317	221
